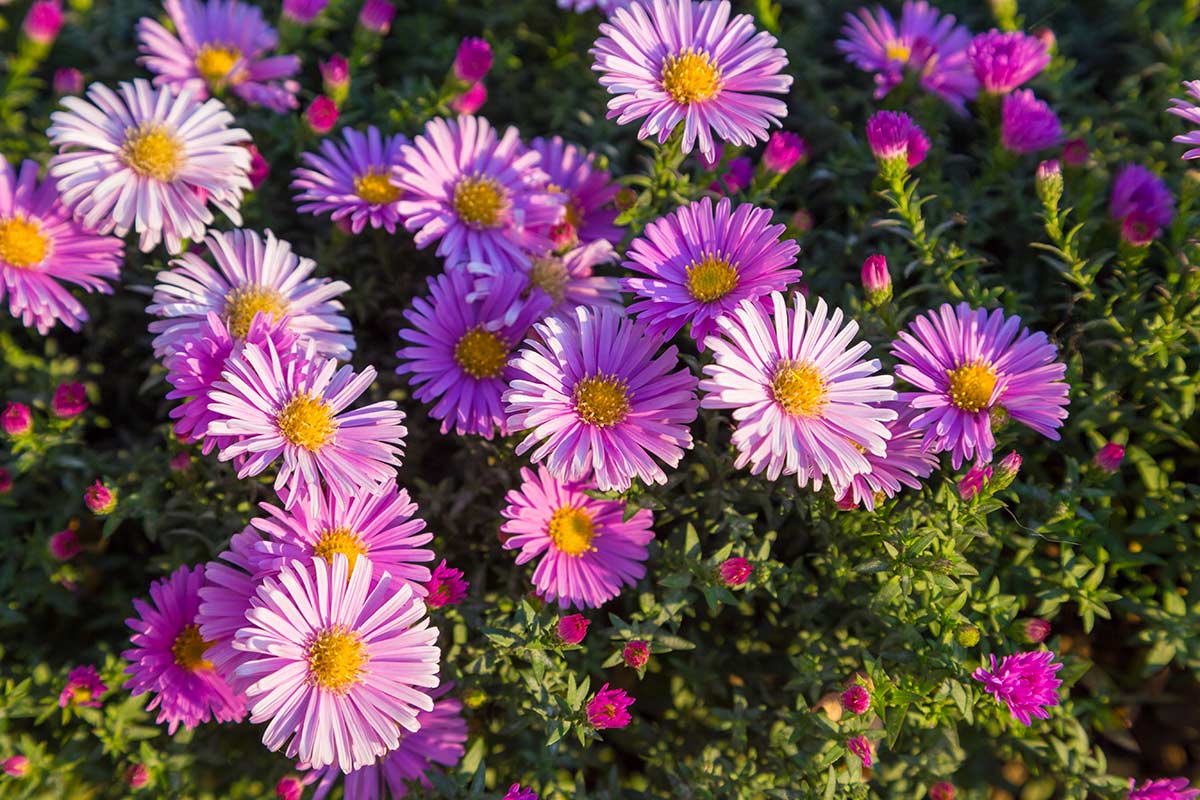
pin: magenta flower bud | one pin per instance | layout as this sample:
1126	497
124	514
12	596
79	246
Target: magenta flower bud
321	115
376	16
856	699
876	279
735	571
303	12
17	419
1109	457
471	100
64	545
137	776
6	481
896	141
1006	471
99	499
784	151
446	587
941	791
971	484
15	766
861	747
68	80
1028	124
289	788
180	462
43	22
1035	630
1048	181
803	220
636	654
572	629
473	60
70	400
1075	153
335	78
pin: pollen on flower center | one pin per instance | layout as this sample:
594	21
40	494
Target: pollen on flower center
711	278
571	530
153	151
602	400
690	77
306	422
481	353
22	244
375	188
971	386
799	388
479	202
336	659
214	62
188	649
242	303
550	275
898	51
340	540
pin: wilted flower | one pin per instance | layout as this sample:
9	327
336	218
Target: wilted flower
321	115
1109	457
1028	124
636	654
735	571
856	699
1162	789
572	628
84	688
473	60
861	746
64	545
446	587
100	499
784	150
609	708
17	419
471	100
876	279
70	400
896	141
68	80
1002	61
15	766
1024	682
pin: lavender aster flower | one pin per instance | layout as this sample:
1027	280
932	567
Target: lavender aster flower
1028	124
1142	203
588	191
1189	111
561	281
1162	789
1004	61
352	179
1024	682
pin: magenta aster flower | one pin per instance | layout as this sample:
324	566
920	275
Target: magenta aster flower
17	419
1028	124
339	667
168	659
253	275
703	263
588	549
1141	201
352	180
856	699
42	248
554	282
784	151
609	708
84	689
926	43
219	46
294	408
635	654
1162	789
515	792
484	198
588	190
1109	457
457	350
69	401
149	160
446	587
904	461
473	59
968	366
1004	61
1189	111
672	61
321	115
1024	682
804	400
64	545
735	572
572	628
596	400
894	138
100	499
861	747
230	581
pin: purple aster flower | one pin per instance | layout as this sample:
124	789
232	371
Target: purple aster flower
340	664
804	400
219	46
253	276
294	407
457	351
83	689
904	461
703	263
42	248
446	587
484	198
672	61
597	400
895	139
589	550
1189	111
168	657
1162	789
926	42
352	180
1004	61
149	160
1028	124
230	582
554	282
969	366
588	190
1024	682
1142	203
609	708
861	747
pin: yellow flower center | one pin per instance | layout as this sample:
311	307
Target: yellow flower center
336	659
481	353
153	151
571	530
22	244
242	303
711	278
340	540
375	188
306	422
189	648
602	400
898	51
550	275
799	388
81	694
690	77
971	386
479	201
214	63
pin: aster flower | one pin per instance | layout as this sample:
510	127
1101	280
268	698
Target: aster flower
904	461
897	142
635	654
17	419
352	180
596	400
1109	457
42	248
339	667
1142	203
735	572
83	689
969	365
230	581
219	46
805	401
168	660
1189	111
1024	682
253	275
484	198
294	408
1028	124
1162	789
149	160
515	792
587	190
100	499
70	400
446	587
589	550
703	263
926	42
861	747
856	699
673	61
553	282
784	150
457	350
572	628
609	708
1002	61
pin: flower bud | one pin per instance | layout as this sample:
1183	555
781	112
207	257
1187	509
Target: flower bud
68	80
321	115
572	629
1034	630
6	481
473	60
803	220
289	788
636	654
43	22
784	151
335	79
1075	153
376	16
303	12
64	545
475	697
1049	183
1109	457
735	572
1006	471
971	484
70	400
967	636
17	419
259	168
1046	37
99	499
876	280
941	791
15	766
137	776
471	100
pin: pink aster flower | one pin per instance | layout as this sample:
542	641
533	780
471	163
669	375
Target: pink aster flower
83	690
17	419
515	792
702	263
926	43
321	115
572	628
969	365
446	587
895	139
470	101
42	249
64	545
1004	61
904	462
100	499
483	197
219	46
1141	202
69	401
1028	124
43	22
597	400
553	282
784	151
805	401
636	654
1024	682
456	351
1162	789
589	550
149	160
352	179
861	747
735	572
609	708
230	581
1190	112
339	667
673	61
473	59
168	659
253	275
1109	457
856	699
588	191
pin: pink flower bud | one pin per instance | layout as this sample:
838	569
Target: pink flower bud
376	16
303	12
259	168
70	400
572	629
15	766
335	78
99	499
1075	153
1110	456
735	571
1036	630
17	419
856	699
972	483
137	776
471	100
43	22
1006	471
473	60
289	788
68	80
1046	37
636	654
784	151
941	791
321	115
64	545
876	279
